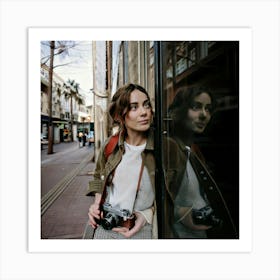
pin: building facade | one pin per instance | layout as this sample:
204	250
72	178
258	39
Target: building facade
61	111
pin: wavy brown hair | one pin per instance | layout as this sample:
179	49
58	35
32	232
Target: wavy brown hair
120	103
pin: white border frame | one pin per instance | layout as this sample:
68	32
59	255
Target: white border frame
262	262
244	36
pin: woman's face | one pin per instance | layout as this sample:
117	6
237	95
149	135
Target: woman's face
199	114
139	116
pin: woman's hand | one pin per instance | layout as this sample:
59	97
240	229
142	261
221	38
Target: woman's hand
94	211
188	221
185	214
139	223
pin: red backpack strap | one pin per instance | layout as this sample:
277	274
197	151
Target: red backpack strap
111	145
198	152
109	148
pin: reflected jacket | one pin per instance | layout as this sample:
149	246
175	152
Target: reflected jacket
174	166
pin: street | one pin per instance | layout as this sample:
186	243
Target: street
64	178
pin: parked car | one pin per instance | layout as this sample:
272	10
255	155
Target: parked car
44	139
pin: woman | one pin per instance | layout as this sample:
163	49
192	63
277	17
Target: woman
193	198
123	182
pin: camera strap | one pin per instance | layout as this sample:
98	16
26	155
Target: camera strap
140	176
129	223
138	183
111	145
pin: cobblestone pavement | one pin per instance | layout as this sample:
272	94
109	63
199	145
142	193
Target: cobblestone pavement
71	167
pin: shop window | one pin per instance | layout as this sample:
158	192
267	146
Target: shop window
181	63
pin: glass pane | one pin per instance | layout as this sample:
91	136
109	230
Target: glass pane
200	112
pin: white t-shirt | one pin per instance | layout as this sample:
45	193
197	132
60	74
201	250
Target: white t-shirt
188	196
189	191
123	191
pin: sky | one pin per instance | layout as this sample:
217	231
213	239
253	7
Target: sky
78	68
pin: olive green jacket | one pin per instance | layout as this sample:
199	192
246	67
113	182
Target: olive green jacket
174	165
104	169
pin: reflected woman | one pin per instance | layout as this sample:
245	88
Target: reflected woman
194	203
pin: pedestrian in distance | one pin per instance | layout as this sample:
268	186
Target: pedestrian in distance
123	181
195	206
90	138
84	139
80	137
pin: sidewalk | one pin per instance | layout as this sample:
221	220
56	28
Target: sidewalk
67	215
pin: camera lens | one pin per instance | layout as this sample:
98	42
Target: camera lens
109	221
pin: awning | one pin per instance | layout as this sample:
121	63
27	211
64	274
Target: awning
60	122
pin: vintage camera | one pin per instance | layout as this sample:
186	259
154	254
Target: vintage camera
113	217
206	216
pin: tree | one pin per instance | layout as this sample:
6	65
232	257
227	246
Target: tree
55	48
61	48
50	127
71	91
